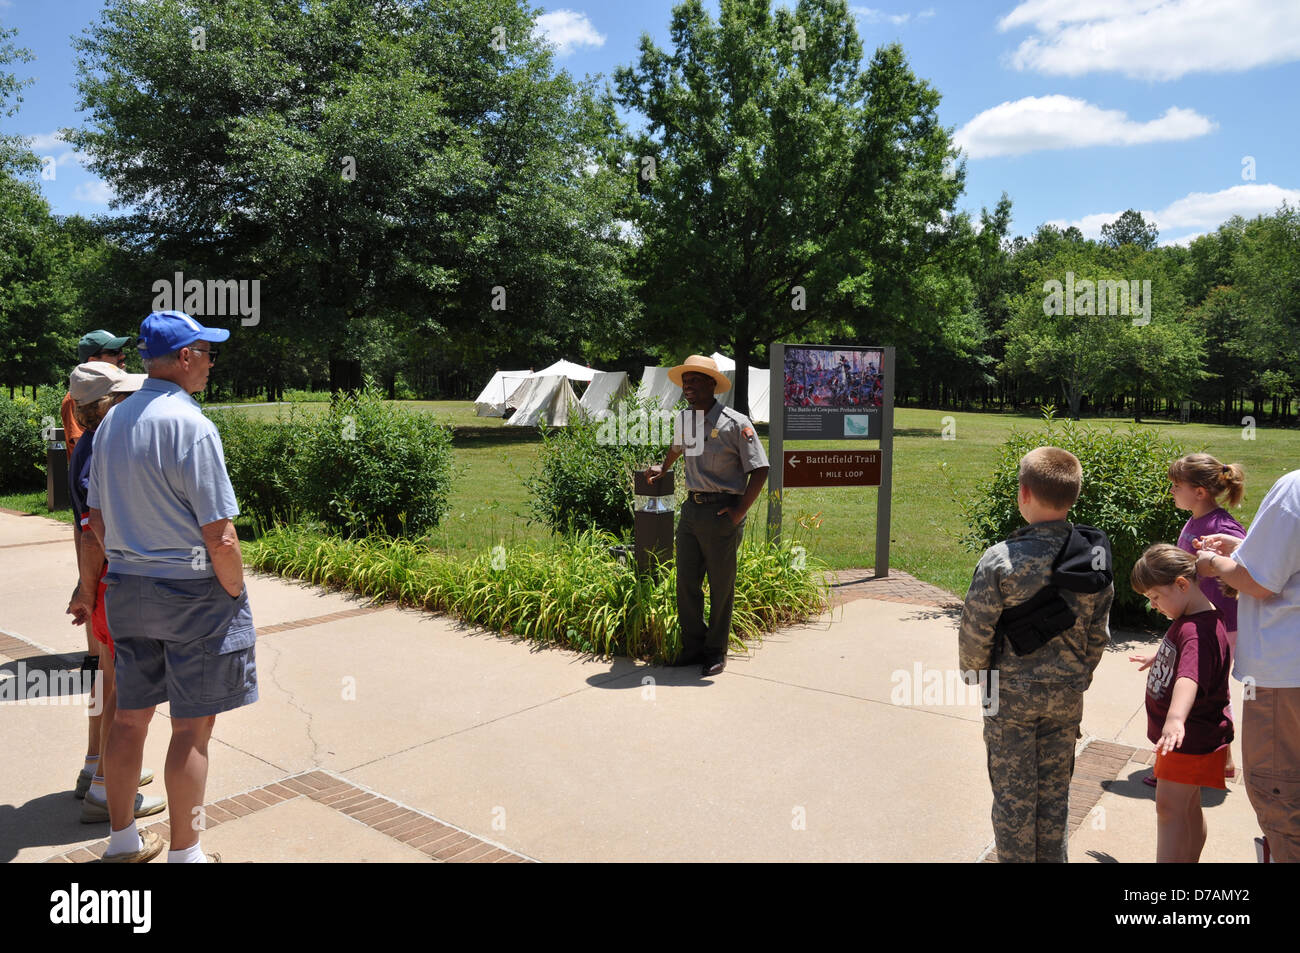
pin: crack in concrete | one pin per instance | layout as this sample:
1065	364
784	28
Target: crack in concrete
293	703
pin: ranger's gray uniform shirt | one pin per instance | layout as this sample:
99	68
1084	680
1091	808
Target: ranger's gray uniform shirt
721	463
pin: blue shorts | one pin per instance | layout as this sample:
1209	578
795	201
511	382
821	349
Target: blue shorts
182	641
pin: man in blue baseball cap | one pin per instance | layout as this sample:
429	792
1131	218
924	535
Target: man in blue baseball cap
161	503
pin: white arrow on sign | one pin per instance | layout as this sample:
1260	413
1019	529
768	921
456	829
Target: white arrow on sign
794	461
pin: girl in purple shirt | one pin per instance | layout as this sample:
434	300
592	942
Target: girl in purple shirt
1198	481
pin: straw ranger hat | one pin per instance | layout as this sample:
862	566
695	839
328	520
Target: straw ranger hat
699	364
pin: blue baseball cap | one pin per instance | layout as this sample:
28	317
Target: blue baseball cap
166	331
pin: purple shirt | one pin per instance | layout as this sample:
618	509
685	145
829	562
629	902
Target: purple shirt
1216	521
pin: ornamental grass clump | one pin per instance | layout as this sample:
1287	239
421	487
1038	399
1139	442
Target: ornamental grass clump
574	595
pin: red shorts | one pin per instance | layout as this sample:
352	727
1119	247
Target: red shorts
1205	770
99	620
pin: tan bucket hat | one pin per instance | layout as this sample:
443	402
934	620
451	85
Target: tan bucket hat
95	379
699	364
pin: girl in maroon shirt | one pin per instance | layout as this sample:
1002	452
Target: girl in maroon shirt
1188	718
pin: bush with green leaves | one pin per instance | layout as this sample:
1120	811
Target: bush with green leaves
585	475
573	594
1125	493
22	443
367	466
261	458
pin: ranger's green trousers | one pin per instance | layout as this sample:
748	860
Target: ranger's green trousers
706	545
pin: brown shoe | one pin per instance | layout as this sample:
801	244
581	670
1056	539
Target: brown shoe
151	846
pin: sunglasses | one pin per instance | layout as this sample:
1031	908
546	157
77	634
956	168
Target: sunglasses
211	352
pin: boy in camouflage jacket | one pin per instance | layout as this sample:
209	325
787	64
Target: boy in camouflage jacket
1057	578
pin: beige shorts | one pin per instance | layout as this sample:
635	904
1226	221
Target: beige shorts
1270	748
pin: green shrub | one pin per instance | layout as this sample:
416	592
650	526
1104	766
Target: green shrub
585	476
261	458
573	595
367	466
22	446
1125	493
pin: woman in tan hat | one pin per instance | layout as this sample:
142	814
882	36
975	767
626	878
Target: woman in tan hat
96	387
725	470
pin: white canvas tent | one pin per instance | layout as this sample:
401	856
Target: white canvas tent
760	382
655	384
547	400
574	372
492	402
605	389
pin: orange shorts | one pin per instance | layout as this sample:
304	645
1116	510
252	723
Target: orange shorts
1205	770
99	619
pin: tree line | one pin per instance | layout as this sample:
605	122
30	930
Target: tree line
423	197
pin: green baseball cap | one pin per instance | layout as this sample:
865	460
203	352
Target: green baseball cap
97	341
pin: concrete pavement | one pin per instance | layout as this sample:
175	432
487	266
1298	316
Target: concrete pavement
390	734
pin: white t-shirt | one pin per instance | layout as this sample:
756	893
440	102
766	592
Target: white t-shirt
1268	630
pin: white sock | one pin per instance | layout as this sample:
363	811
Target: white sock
92	763
97	788
125	841
189	855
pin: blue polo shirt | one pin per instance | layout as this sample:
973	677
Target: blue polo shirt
158	474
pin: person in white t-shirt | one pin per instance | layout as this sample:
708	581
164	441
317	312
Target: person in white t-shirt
1265	568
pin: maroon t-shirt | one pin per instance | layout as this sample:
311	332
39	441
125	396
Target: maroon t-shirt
1196	647
1215	521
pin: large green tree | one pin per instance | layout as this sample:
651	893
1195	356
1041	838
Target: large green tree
37	299
784	189
382	167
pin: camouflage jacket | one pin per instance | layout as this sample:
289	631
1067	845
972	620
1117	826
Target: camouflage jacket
1012	572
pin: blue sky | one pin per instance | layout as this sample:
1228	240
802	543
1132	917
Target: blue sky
1078	109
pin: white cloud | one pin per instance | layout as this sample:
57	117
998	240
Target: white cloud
51	143
872	15
1154	39
1062	122
97	192
568	30
1205	211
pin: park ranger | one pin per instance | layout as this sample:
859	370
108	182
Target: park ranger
725	470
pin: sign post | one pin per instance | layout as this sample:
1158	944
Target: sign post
832	393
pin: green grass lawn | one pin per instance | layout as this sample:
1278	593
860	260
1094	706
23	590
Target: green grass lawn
489	502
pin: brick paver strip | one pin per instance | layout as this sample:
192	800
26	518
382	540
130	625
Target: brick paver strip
475	851
435	834
416	832
295	785
409	821
218	814
848	585
39	542
250	802
400	819
403	824
234	807
320	619
448	846
366	803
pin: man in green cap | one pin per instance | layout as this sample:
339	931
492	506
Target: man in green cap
95	346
